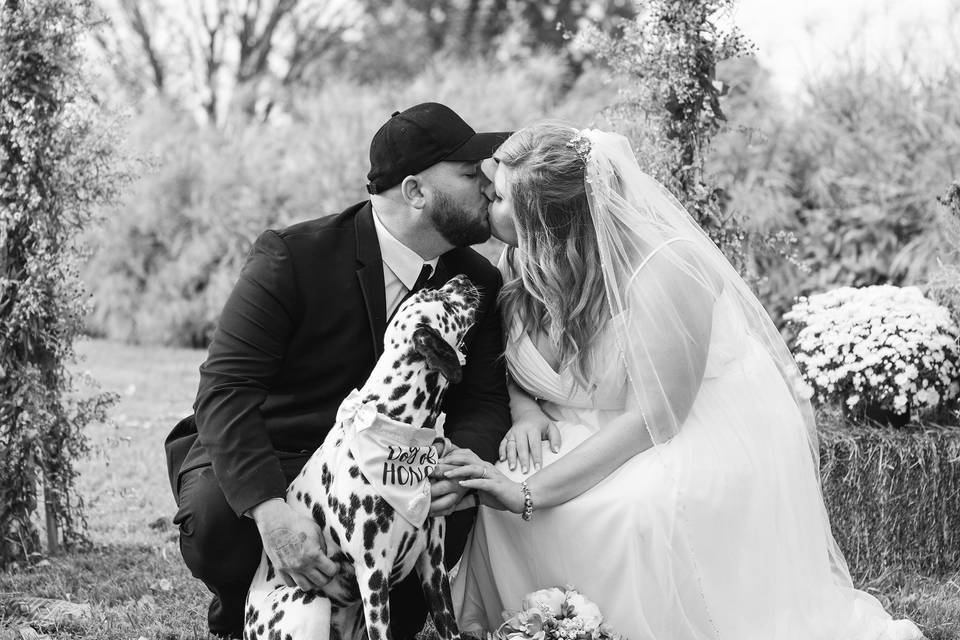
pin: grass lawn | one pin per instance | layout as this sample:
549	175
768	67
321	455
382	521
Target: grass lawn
133	577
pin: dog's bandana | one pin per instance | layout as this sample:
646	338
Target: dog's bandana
394	457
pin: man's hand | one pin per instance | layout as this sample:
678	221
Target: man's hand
294	543
444	494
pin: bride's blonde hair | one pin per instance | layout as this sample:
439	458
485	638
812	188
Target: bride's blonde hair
558	285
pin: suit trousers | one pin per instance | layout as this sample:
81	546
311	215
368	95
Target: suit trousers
223	551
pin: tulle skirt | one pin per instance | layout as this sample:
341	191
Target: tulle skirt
700	538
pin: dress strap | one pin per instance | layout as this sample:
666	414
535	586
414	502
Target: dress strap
653	253
658	247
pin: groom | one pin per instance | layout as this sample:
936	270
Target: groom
303	327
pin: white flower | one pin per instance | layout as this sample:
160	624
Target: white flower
580	607
929	397
547	600
885	345
804	390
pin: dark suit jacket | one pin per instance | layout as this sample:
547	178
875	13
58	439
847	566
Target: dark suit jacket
303	326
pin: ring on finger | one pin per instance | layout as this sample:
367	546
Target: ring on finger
484	474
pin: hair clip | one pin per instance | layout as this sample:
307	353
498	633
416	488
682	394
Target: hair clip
580	143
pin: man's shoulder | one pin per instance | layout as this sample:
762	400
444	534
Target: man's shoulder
325	226
471	262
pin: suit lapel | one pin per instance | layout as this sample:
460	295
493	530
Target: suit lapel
370	276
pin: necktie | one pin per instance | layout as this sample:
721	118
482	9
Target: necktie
425	272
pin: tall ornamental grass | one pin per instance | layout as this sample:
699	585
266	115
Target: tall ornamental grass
853	167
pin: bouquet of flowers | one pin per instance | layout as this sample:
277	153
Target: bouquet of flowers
877	348
555	614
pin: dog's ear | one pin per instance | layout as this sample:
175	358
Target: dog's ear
439	354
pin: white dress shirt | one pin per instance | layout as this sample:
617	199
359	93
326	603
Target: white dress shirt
401	266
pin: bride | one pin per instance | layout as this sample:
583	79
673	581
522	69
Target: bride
662	460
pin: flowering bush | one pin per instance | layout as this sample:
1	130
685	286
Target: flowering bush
555	614
879	347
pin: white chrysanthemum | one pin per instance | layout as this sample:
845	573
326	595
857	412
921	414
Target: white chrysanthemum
886	346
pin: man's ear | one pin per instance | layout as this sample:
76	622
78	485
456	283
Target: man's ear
412	190
440	356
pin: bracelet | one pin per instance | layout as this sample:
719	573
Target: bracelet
527	502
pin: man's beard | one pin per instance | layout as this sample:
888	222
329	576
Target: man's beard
458	226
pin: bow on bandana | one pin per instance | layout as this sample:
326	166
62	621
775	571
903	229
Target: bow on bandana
394	457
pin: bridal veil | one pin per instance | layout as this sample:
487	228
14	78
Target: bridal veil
723	402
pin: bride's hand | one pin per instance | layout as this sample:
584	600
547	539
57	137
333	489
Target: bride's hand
494	489
523	441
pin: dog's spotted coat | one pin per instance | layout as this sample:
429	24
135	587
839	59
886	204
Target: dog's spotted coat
373	546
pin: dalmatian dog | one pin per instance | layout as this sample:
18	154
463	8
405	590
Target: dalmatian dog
367	486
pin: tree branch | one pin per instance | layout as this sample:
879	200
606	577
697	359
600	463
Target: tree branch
138	23
255	48
212	57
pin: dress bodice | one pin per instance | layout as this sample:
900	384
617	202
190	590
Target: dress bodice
607	388
530	370
608	376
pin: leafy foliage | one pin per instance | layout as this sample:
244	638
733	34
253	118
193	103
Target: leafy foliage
671	108
506	28
53	170
220	58
943	284
853	170
230	63
169	255
836	188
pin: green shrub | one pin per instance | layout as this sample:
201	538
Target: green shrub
850	170
55	166
943	287
943	284
670	106
168	256
853	170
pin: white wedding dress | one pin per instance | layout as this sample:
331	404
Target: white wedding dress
688	540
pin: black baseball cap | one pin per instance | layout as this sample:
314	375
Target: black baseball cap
420	137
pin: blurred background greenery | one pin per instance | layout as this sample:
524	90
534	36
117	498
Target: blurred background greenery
242	115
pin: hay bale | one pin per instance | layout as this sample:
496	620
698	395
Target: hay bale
893	496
